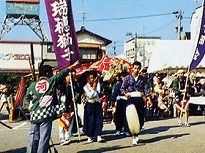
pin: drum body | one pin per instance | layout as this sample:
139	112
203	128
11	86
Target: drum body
132	119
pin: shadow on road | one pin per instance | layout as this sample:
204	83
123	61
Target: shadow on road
156	130
108	135
108	132
104	149
197	123
18	150
159	138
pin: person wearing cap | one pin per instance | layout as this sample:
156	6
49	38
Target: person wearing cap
181	100
42	98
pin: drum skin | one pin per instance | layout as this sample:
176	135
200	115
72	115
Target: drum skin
132	119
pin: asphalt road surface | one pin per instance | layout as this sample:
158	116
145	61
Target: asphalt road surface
161	136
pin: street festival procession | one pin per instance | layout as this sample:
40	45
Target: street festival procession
71	92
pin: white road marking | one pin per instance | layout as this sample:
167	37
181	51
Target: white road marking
22	124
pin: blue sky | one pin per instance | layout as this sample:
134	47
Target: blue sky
115	30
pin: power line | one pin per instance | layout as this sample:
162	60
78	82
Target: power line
160	28
124	18
127	18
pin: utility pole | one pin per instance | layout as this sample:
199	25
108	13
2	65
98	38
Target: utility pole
83	13
179	28
114	48
142	52
135	47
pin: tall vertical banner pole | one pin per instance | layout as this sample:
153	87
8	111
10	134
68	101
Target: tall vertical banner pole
74	104
32	62
64	37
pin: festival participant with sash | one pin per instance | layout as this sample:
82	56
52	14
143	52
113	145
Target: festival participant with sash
134	88
43	107
119	107
93	113
67	122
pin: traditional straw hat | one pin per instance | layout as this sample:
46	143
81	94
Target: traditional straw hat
180	71
2	87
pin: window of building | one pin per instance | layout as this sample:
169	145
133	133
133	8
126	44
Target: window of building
88	54
50	49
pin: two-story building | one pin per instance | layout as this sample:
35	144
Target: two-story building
14	55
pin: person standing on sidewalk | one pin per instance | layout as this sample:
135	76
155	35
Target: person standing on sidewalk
3	97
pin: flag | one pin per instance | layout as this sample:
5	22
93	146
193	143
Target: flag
18	101
200	46
63	33
65	120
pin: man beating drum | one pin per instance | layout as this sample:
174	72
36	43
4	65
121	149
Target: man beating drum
134	87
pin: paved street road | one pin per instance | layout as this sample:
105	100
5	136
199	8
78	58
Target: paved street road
162	136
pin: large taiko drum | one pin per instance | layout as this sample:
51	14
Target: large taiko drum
132	119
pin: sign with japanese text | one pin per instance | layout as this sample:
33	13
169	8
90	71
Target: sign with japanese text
22	8
15	56
63	33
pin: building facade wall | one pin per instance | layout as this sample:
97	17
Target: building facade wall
140	49
14	56
196	22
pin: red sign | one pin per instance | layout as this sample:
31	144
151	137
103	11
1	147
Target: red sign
24	1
